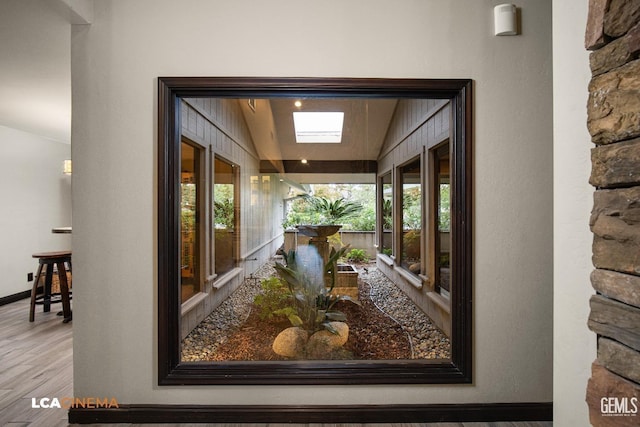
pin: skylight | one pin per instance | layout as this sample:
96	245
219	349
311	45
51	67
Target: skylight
318	127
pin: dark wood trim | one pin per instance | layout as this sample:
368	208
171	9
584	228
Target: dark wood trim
171	371
321	166
15	297
474	412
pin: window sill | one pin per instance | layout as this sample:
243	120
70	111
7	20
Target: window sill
440	301
192	303
386	259
226	278
410	278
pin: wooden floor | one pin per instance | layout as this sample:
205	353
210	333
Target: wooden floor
36	362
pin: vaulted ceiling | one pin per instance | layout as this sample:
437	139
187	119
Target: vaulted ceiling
365	126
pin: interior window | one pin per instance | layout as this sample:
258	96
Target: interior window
189	223
411	184
224	216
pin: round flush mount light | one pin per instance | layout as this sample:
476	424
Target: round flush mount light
303	161
298	104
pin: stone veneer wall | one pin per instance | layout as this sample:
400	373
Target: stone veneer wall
613	36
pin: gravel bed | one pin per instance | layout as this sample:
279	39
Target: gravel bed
427	341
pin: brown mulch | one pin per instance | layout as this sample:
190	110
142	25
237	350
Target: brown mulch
372	335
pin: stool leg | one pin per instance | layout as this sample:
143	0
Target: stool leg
48	279
64	292
34	291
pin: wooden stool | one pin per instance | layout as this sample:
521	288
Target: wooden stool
59	259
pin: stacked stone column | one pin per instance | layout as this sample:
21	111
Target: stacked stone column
613	37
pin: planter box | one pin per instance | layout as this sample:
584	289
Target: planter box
347	276
346	281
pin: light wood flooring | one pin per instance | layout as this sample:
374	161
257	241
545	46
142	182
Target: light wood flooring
36	361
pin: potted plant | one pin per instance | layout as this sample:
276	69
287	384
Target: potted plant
330	214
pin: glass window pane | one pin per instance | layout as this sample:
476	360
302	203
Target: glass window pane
411	217
387	215
189	260
224	218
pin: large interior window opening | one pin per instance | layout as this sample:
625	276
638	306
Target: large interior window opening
413	135
224	216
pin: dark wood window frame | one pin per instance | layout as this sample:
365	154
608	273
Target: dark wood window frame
172	371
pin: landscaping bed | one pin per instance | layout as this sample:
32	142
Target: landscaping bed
235	332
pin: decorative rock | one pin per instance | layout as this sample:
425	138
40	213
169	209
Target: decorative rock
327	340
633	40
613	108
618	286
615	320
611	56
290	342
616	165
615	222
594	36
619	359
621	16
604	383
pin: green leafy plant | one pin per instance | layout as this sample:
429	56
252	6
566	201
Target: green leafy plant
275	298
310	285
357	255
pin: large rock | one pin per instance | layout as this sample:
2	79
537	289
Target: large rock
616	165
613	108
325	341
290	342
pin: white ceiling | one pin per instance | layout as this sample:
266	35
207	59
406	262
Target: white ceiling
35	70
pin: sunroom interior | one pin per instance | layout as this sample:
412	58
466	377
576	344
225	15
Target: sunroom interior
242	159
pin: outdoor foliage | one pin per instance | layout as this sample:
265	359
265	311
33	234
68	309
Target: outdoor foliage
350	205
223	214
357	255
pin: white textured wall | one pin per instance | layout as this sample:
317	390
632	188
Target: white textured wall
36	197
115	63
574	344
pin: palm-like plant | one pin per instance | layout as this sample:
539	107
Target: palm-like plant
313	300
332	212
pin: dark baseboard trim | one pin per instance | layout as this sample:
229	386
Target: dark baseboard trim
15	297
475	412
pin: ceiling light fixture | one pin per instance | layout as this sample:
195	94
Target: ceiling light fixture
298	104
